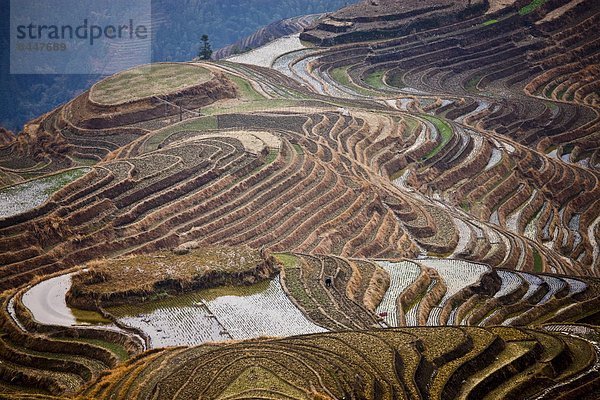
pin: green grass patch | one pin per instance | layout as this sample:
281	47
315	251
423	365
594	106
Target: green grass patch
397	174
411	124
561	93
307	44
443	129
535	4
197	124
288	260
550	149
471	85
298	148
117	349
465	206
146	81
271	156
551	105
568	148
396	80
375	79
538	265
489	22
89	317
415	302
201	124
341	76
47	184
59	180
247	92
549	89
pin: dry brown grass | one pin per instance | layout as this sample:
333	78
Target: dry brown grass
113	281
378	285
354	282
149	80
142	271
316	395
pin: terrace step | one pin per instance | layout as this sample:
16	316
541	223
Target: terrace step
389	363
516	355
554	358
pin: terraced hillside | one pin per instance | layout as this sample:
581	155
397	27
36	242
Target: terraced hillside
425	175
527	331
404	363
432	292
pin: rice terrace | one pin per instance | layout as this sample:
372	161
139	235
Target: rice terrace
401	200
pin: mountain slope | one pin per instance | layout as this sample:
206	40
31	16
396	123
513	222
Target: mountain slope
427	186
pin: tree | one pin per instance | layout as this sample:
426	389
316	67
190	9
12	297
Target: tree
205	50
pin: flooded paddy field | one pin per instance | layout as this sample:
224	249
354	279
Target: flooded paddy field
218	314
25	196
46	302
